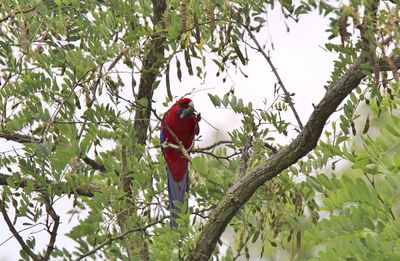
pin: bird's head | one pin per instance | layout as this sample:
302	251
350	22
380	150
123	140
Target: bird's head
186	108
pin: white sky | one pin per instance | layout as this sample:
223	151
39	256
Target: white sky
303	65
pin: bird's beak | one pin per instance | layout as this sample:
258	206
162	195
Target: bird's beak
188	111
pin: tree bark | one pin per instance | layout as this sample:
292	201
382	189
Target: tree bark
152	64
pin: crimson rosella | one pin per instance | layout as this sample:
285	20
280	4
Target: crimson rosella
182	120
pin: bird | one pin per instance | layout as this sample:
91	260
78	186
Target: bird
183	121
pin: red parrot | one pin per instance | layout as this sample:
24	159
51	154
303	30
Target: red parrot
183	121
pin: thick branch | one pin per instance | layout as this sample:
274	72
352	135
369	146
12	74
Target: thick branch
298	148
152	64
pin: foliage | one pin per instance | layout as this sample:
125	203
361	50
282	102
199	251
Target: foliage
73	74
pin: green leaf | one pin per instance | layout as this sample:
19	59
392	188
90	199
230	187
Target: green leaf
215	100
240	55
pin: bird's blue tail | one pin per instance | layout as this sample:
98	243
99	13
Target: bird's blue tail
176	193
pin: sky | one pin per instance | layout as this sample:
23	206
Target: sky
301	61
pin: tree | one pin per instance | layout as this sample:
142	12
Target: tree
65	100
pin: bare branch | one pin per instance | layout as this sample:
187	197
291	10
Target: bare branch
288	98
19	231
210	147
205	150
218	157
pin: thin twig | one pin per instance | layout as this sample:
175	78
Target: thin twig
379	196
201	212
288	98
210	147
241	246
228	157
116	60
22	230
271	147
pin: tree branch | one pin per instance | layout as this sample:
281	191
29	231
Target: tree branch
20	138
87	190
288	97
210	147
16	13
307	139
152	63
53	232
94	164
15	232
179	147
23	138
